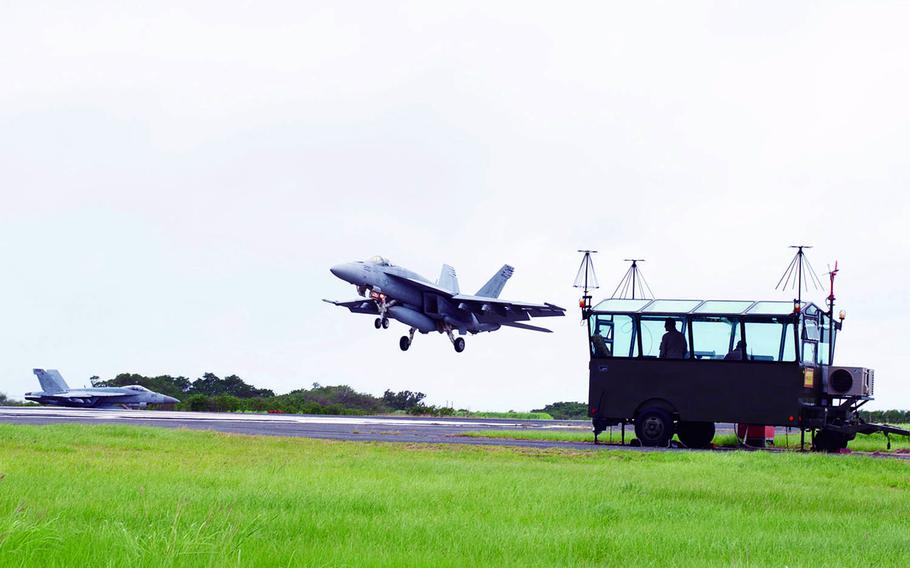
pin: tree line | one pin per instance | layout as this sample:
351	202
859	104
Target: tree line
233	394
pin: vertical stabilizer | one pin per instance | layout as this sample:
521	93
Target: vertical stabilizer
51	381
493	288
448	279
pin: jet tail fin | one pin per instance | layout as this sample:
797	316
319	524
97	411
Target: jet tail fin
51	381
493	288
448	279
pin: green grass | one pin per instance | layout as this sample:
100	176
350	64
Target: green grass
862	443
126	496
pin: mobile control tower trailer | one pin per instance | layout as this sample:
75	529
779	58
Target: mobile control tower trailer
748	362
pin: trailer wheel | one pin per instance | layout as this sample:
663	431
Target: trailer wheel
654	427
830	441
695	434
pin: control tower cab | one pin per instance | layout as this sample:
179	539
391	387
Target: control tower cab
680	366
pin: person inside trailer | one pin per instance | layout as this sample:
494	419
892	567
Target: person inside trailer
601	349
738	353
673	345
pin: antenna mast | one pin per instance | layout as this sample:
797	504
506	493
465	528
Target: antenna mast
633	280
587	280
801	274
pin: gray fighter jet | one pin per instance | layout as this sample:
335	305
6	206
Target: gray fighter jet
394	292
56	392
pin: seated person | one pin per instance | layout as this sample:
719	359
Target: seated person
601	349
673	345
738	353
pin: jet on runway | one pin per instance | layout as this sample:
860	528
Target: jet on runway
56	392
397	293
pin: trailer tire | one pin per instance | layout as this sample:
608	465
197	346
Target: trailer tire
695	434
654	427
830	441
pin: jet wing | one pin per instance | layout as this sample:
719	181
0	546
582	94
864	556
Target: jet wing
87	394
504	307
358	306
527	326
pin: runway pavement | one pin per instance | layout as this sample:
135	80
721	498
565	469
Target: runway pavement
357	428
405	429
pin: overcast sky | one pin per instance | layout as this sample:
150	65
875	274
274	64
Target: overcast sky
176	181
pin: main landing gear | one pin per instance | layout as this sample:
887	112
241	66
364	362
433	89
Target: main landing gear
405	342
382	322
457	342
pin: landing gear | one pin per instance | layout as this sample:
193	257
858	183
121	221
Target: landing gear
457	342
377	323
405	342
382	322
385	323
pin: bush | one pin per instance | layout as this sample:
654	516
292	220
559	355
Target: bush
566	410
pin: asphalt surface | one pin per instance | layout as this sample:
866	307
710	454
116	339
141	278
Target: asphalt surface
404	429
351	428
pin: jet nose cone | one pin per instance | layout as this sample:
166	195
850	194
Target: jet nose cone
170	400
344	271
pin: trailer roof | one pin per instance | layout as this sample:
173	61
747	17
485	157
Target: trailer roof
705	307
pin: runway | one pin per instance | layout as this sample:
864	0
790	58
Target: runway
401	429
351	428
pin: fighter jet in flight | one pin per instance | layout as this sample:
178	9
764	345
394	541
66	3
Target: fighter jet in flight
56	392
394	292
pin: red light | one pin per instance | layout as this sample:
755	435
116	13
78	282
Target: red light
581	303
791	419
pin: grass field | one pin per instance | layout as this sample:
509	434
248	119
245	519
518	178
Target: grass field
862	443
129	496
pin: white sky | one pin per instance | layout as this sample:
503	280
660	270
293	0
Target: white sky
176	181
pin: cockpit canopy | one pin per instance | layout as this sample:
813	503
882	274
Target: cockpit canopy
379	260
137	388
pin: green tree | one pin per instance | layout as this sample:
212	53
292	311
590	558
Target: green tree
565	410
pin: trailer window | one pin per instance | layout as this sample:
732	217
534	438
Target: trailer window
772	340
652	333
716	338
613	335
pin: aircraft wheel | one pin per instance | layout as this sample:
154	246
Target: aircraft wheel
695	434
654	427
385	323
404	343
378	323
459	344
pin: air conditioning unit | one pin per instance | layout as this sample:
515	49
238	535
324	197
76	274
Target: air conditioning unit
848	381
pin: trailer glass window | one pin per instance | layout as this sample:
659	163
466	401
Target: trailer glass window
716	338
613	335
825	344
771	340
652	334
